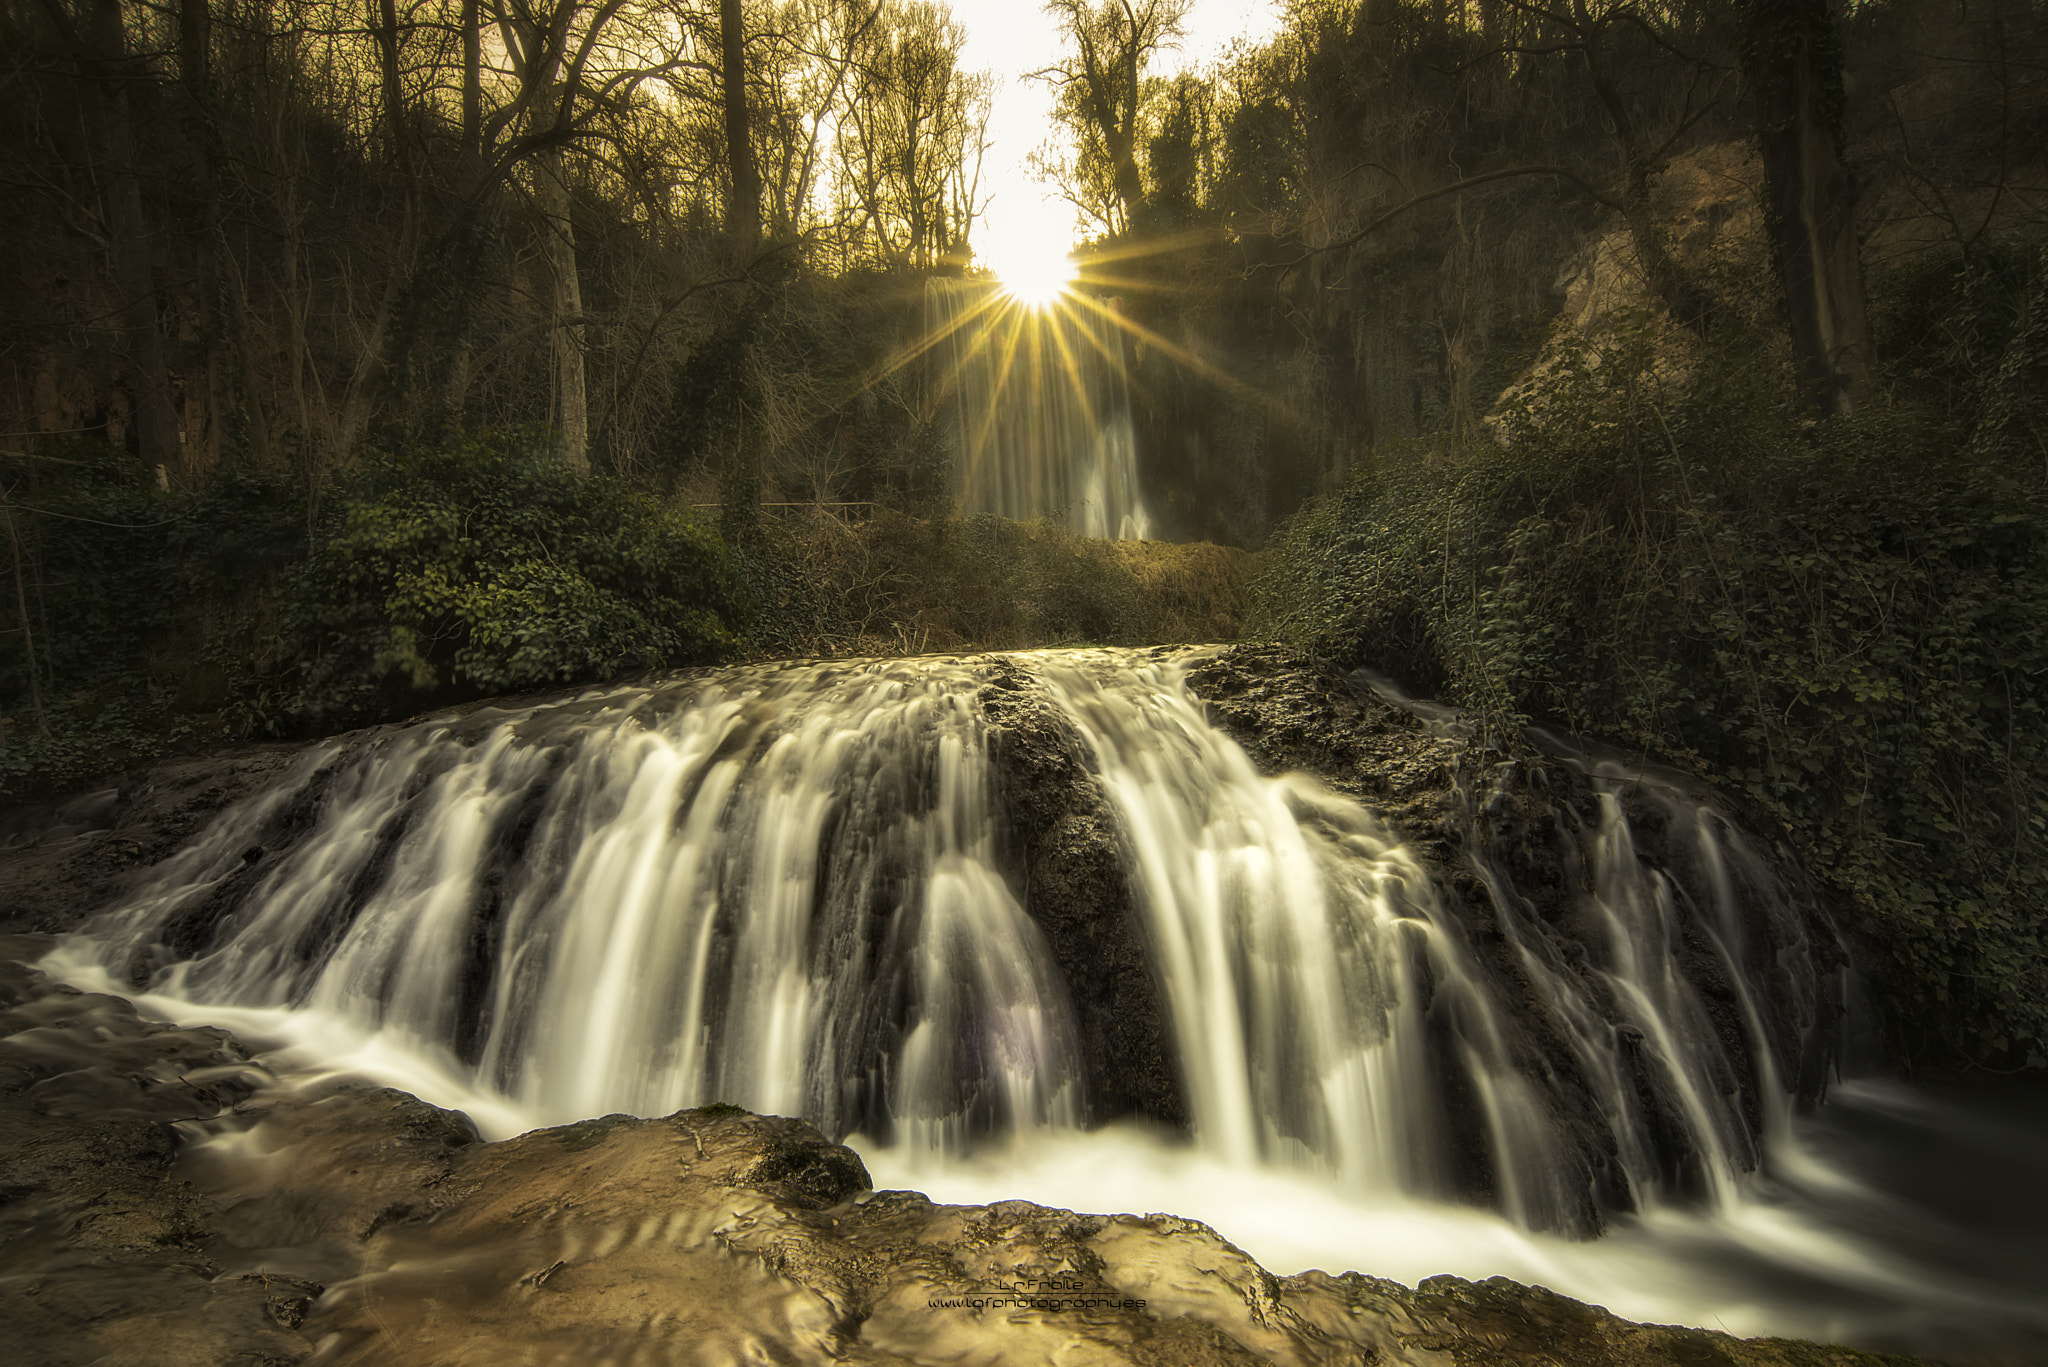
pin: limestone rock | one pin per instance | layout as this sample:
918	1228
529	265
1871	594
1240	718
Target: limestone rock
345	1224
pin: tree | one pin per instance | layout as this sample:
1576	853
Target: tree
1101	96
913	126
1792	57
98	40
743	215
809	68
1181	153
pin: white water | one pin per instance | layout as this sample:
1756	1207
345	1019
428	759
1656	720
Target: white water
1043	411
779	894
1833	1254
785	888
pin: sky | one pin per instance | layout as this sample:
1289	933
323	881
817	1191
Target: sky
1011	37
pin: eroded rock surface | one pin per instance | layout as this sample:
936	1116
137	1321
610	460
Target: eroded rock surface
62	861
1509	835
163	1203
1076	889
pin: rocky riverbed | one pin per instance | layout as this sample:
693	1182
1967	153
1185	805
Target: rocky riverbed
168	1202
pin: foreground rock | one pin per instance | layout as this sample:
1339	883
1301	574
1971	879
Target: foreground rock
352	1224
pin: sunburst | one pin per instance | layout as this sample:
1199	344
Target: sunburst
1034	270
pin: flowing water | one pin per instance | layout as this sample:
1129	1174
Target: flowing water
1043	410
793	888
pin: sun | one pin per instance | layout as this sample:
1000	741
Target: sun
1034	269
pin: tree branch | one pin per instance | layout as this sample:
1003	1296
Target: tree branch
1564	173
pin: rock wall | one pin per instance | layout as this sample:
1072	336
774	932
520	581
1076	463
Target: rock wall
1509	837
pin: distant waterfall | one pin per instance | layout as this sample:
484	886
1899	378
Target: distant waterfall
791	888
1042	409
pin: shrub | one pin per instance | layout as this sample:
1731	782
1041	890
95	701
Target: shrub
490	566
1846	623
899	583
143	607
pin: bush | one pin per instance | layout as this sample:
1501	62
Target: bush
143	607
1845	623
491	566
161	619
898	583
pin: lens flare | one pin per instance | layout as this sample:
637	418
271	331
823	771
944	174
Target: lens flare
1034	271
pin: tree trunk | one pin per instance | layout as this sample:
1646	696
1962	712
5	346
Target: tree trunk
393	92
1123	137
470	174
128	233
472	90
572	400
194	55
1794	63
538	59
743	215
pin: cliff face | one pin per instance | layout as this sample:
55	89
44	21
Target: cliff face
347	1224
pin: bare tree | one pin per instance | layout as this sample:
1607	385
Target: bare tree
807	73
98	41
912	126
1101	95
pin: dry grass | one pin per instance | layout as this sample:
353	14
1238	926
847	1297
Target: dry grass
1196	592
904	585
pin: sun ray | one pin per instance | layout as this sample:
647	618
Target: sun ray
1095	340
1033	269
1178	352
1150	246
903	356
991	312
981	437
1128	284
1050	321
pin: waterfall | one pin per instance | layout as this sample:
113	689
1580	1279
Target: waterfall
773	888
1042	409
793	888
1333	1007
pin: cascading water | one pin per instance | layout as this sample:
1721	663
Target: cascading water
1331	1008
786	889
1043	410
773	888
802	889
1286	923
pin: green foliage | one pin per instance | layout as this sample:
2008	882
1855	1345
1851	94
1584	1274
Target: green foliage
1847	624
1953	328
491	566
144	607
160	619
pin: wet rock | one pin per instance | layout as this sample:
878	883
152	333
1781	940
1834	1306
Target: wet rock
1076	890
102	1248
1290	712
346	1224
63	861
1509	836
